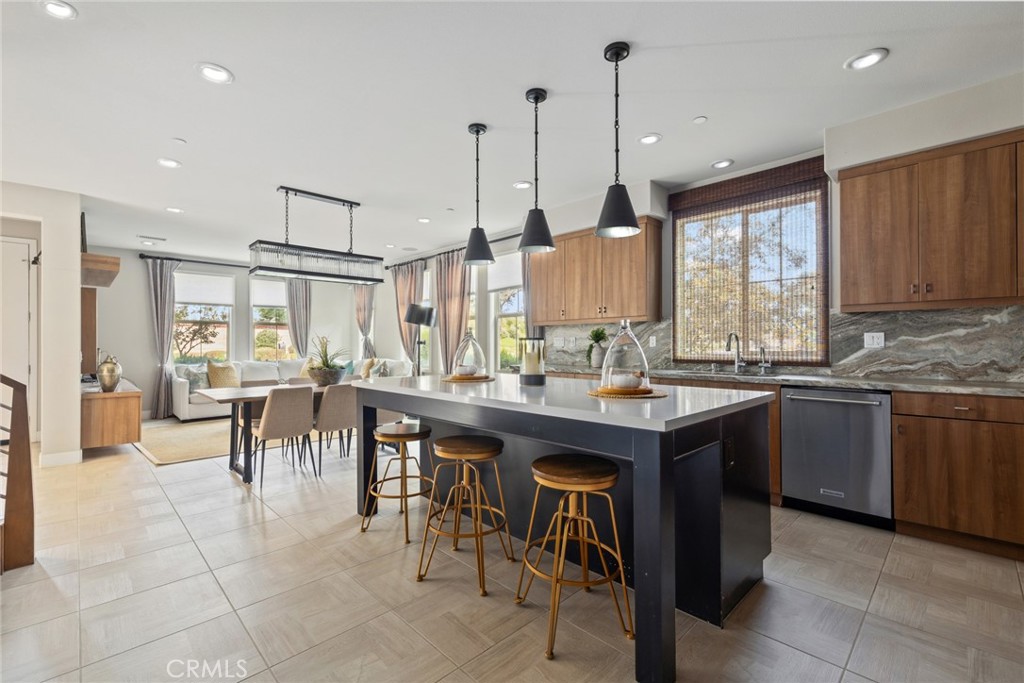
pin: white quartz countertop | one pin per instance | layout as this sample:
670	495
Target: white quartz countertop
567	398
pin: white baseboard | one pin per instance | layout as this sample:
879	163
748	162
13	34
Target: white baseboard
147	414
57	459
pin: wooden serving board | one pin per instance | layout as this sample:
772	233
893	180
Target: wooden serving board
467	378
623	391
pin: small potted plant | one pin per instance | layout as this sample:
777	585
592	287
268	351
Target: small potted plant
595	352
323	366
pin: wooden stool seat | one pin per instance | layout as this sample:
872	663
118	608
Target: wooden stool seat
467	447
576	477
464	454
401	432
575	472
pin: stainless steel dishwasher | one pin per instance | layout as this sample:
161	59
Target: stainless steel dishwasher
837	450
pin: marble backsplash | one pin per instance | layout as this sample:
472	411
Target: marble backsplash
976	344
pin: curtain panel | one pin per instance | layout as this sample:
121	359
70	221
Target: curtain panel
452	304
408	278
299	300
364	317
161	289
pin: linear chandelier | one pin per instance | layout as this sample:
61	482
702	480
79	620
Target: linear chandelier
283	259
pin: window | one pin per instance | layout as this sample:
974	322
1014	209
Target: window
202	317
271	339
751	258
509	324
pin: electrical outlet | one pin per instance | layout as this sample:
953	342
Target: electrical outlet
652	342
558	342
874	340
572	343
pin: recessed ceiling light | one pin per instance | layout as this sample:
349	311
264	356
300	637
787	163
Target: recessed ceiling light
866	59
148	243
722	163
174	209
215	73
168	163
649	139
389	246
700	119
519	185
423	220
60	9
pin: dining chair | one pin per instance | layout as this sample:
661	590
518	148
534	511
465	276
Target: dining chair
336	414
288	414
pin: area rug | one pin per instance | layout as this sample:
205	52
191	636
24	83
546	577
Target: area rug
169	443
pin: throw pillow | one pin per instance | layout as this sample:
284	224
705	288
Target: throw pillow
350	368
197	378
380	370
367	366
304	372
222	375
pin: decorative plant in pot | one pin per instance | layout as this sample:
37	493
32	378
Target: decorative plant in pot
595	352
323	366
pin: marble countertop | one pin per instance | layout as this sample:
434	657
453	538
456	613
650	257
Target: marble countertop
874	383
567	398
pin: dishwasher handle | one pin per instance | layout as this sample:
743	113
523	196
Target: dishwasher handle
818	399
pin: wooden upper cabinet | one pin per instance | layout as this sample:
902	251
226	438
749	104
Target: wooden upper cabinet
878	216
547	293
968	223
582	276
935	229
589	279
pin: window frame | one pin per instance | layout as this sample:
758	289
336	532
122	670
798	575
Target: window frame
780	183
229	342
496	318
277	326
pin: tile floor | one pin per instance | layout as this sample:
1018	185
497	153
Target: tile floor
141	569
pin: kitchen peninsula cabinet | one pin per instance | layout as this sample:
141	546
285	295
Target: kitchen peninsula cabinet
589	279
936	229
958	469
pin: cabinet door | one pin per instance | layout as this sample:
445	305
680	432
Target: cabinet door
623	277
878	238
968	225
547	287
582	279
959	475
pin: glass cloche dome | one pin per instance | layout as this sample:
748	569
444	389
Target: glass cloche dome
625	365
469	358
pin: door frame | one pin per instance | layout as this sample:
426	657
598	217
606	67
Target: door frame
33	342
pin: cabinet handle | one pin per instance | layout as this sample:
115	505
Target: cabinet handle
900	429
961	408
928	287
913	288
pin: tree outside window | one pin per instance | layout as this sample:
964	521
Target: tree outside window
510	325
201	332
272	340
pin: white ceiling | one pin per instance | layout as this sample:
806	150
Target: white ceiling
370	101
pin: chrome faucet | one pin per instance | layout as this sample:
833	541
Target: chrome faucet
765	363
737	361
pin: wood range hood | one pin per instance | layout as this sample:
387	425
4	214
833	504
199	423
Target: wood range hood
99	270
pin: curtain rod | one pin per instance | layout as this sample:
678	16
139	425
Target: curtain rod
148	257
448	251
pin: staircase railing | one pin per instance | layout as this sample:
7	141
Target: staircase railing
17	530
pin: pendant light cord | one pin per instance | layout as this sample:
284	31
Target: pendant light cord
477	135
536	139
350	233
286	217
616	122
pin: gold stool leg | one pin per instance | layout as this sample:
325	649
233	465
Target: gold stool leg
628	626
403	502
421	568
556	574
584	549
510	554
365	523
526	551
459	498
476	500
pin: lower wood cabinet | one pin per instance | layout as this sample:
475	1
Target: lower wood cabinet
955	470
112	418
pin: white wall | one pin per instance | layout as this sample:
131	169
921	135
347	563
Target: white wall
385	321
333	315
60	314
29	230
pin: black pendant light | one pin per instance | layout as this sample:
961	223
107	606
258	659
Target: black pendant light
617	216
478	250
536	233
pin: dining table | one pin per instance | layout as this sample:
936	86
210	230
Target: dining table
242	400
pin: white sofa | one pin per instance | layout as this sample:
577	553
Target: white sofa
188	405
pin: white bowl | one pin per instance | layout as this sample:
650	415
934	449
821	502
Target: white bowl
626	381
465	370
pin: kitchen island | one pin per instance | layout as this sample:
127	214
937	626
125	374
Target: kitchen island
693	483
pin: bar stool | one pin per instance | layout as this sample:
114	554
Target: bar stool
577	476
464	454
401	433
